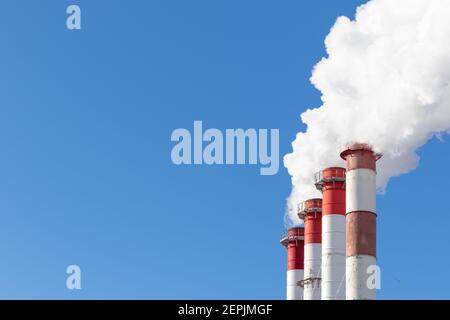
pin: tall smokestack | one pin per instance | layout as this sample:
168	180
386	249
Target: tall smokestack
331	182
360	220
310	212
384	81
294	241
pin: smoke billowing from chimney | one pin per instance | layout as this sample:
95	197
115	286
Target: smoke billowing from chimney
385	82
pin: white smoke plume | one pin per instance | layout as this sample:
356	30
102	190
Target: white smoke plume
385	82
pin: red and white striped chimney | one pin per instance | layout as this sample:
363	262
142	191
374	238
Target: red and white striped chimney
294	241
310	212
331	182
360	220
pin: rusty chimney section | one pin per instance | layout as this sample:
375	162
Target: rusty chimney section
360	221
294	241
331	182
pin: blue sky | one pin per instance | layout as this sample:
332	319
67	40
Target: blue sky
85	171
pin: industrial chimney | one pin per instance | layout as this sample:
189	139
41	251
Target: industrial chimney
294	241
360	220
331	182
310	212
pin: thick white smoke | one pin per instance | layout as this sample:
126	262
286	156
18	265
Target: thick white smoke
385	82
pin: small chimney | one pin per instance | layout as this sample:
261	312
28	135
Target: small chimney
310	212
360	220
331	182
294	241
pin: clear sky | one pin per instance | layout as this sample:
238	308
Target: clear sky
86	176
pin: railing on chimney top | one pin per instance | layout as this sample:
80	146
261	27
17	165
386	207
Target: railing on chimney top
336	175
